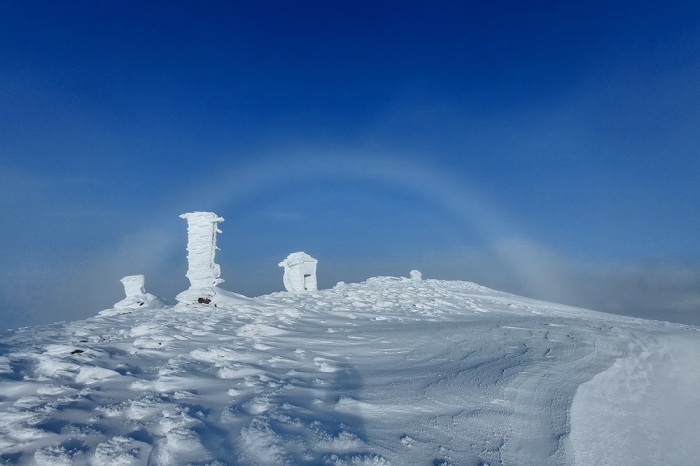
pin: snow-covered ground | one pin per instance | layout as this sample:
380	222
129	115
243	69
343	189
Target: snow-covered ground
388	371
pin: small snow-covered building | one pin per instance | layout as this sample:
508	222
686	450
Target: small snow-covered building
299	272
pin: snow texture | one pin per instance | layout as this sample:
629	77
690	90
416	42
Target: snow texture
299	272
391	371
203	272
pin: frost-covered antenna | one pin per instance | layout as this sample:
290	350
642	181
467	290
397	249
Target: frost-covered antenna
203	272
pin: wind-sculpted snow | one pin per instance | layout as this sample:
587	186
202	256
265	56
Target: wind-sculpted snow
389	371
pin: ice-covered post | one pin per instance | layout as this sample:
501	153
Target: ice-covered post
136	297
202	271
133	286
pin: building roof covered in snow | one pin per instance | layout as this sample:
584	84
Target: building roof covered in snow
297	258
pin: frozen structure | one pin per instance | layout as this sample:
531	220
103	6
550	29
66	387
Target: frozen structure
136	297
416	275
299	272
133	286
203	272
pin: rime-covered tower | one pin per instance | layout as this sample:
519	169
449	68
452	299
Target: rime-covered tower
203	272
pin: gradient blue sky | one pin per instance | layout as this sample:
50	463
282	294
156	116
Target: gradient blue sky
546	148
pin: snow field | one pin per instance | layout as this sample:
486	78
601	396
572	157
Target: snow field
388	371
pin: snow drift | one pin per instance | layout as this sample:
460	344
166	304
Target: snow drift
389	371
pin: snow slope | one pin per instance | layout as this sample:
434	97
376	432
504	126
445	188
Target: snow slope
388	371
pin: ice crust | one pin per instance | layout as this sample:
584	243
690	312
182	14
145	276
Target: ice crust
299	272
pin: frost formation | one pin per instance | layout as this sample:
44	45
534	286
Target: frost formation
299	272
203	273
136	297
133	286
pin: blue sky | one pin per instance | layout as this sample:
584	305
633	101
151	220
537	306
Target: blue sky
546	148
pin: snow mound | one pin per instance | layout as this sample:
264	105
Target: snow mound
389	371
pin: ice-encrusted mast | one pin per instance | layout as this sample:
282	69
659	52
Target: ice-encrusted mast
203	272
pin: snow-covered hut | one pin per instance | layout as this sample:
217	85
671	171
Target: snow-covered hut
299	272
203	272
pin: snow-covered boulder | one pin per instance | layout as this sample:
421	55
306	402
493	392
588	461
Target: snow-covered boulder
416	275
136	297
299	272
203	273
